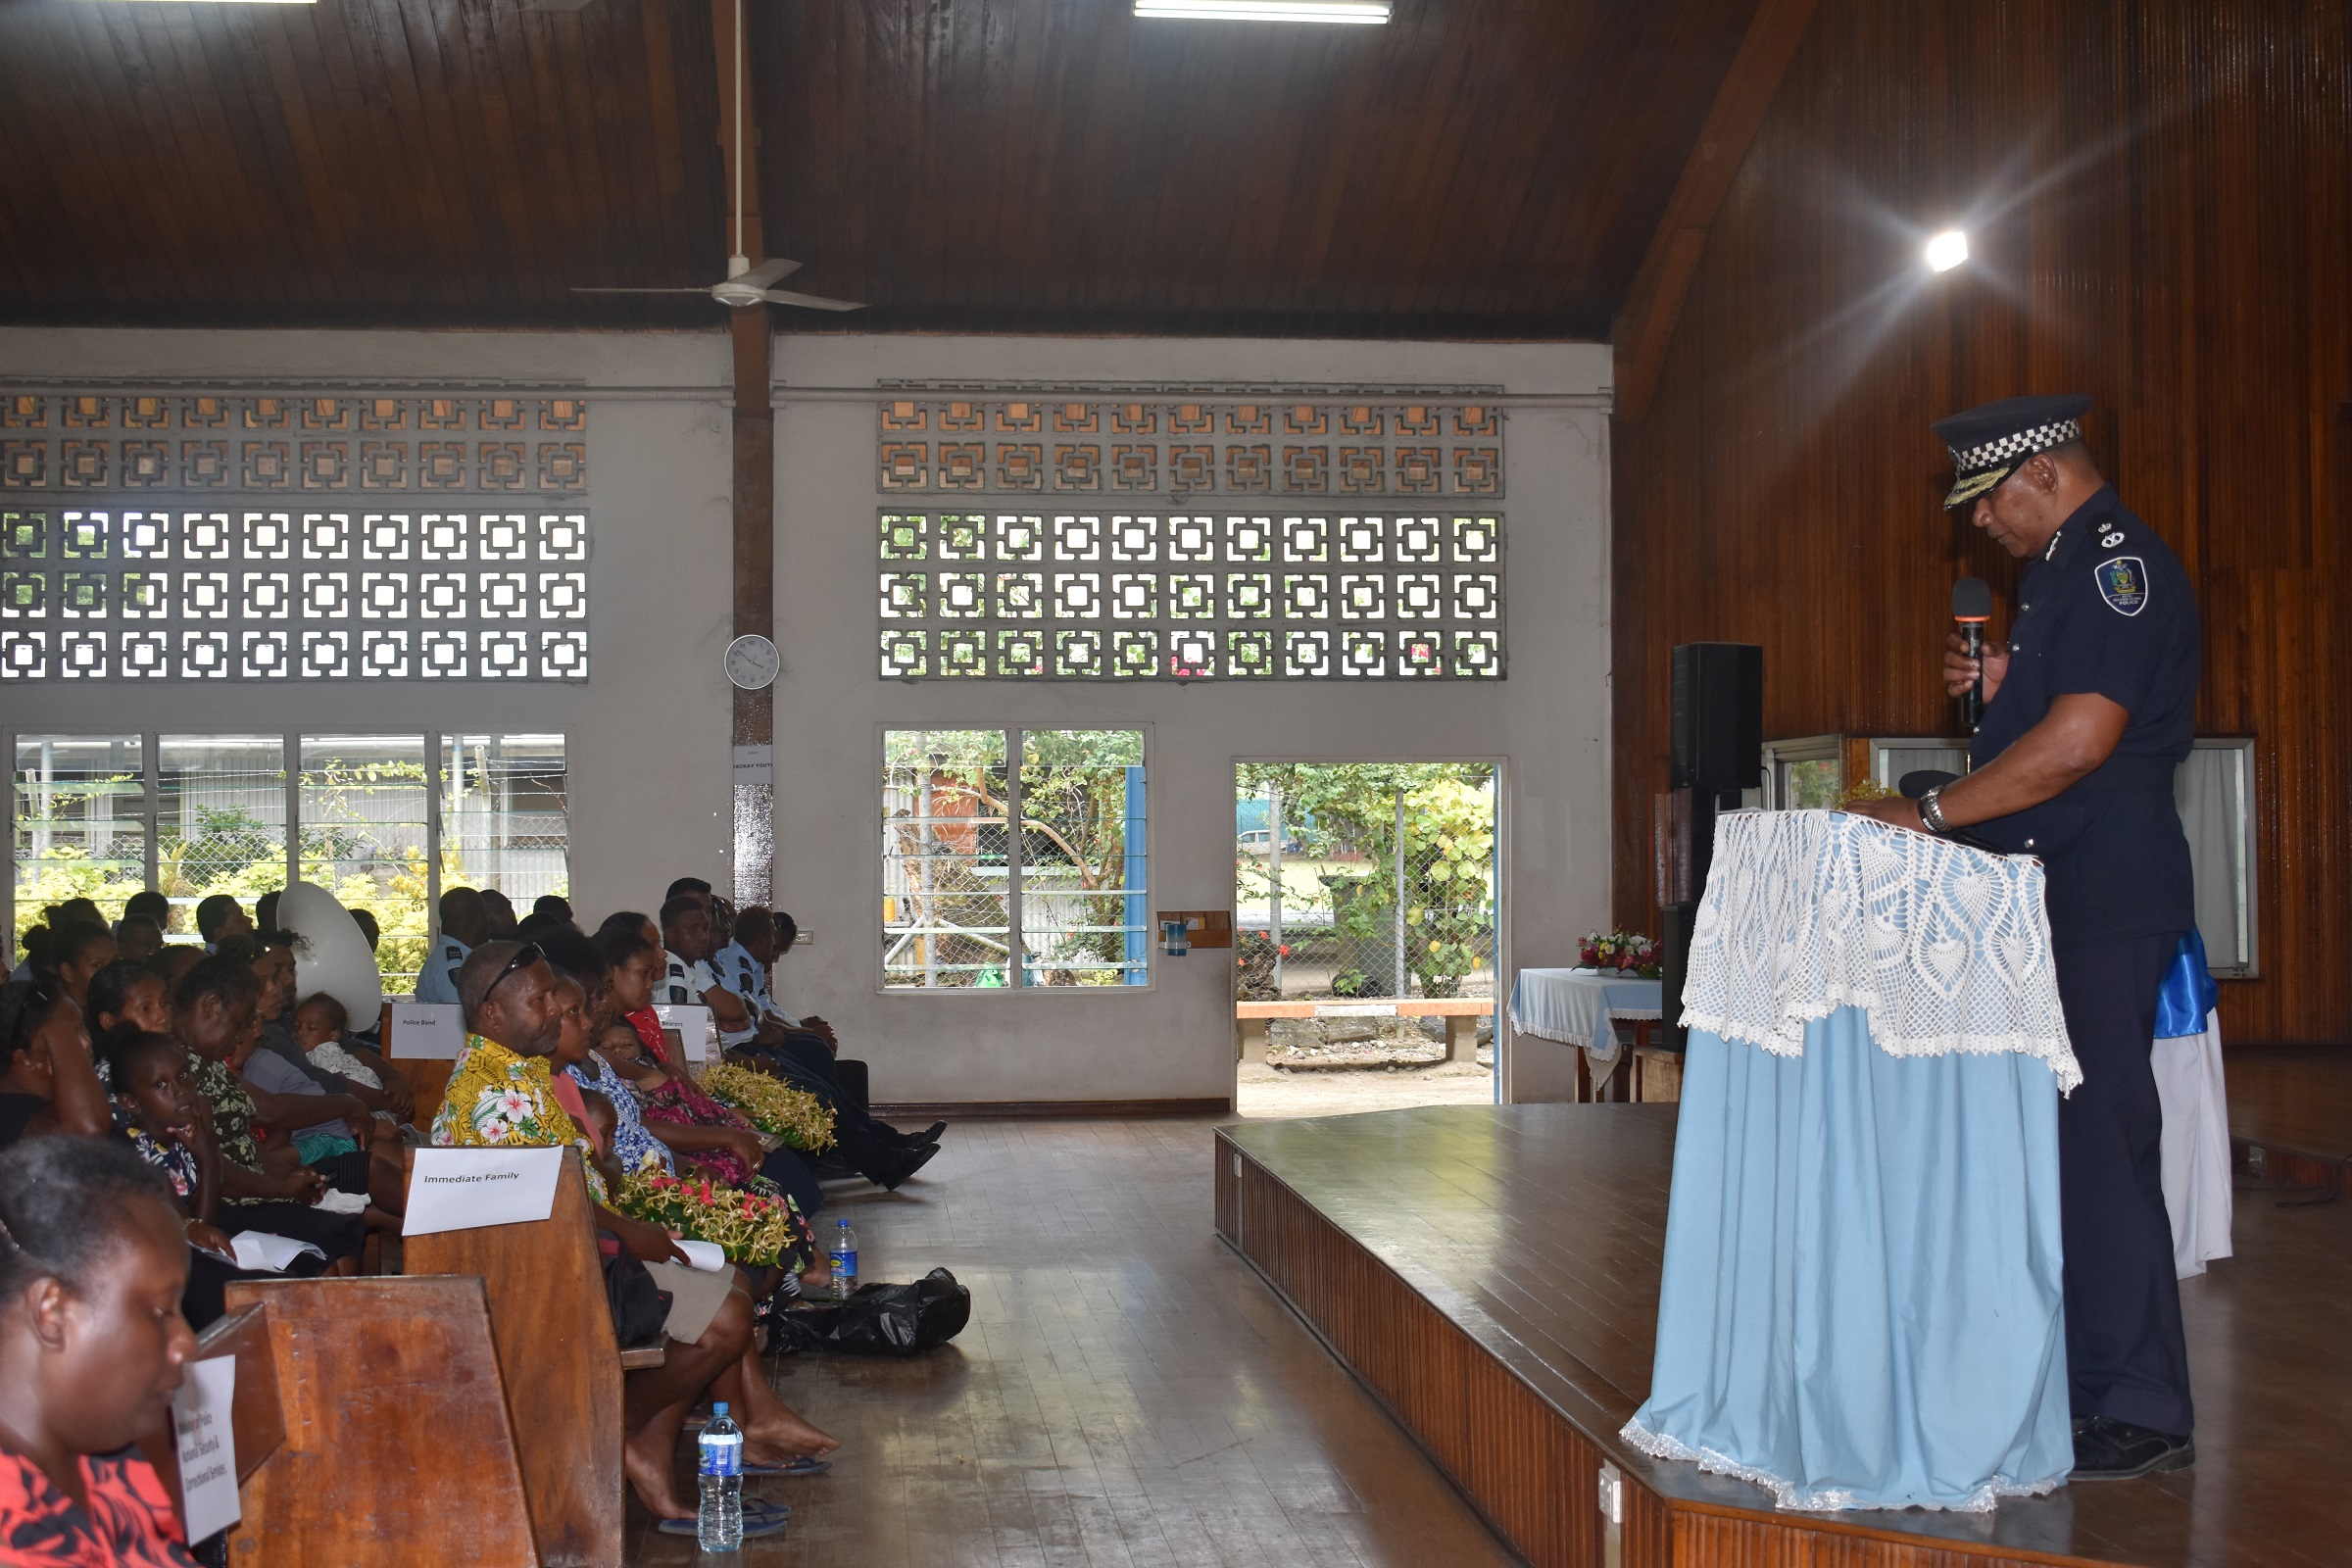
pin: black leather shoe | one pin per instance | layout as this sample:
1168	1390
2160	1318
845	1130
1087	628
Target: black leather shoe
930	1134
2117	1451
915	1159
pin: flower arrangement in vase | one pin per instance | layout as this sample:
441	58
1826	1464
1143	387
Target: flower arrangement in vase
1622	952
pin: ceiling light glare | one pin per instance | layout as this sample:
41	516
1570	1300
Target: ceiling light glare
1371	13
1948	250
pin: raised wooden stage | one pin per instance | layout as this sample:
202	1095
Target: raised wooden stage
1492	1274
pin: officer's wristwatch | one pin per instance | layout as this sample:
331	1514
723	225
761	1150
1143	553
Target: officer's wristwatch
1931	815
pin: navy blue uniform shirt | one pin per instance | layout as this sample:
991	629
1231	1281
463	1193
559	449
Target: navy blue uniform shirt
2108	609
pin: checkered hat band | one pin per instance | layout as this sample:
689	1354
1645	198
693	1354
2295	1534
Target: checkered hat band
2041	438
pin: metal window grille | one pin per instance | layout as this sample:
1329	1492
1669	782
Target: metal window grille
200	536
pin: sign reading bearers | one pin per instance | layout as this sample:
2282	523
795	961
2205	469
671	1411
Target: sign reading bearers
692	1023
463	1189
208	1446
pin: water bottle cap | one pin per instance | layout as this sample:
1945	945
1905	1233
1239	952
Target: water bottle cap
718	1407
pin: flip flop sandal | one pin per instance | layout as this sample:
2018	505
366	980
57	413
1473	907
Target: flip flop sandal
806	1464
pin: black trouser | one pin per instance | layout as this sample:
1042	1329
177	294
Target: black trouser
336	1235
869	1147
204	1300
789	1171
2125	1354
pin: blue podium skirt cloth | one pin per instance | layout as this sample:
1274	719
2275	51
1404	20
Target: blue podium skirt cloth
1863	1297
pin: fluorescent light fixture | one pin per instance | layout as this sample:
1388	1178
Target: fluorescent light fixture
1948	250
1364	12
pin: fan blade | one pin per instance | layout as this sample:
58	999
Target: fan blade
702	291
814	302
766	273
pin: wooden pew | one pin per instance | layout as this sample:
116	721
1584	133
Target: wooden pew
371	1426
561	1365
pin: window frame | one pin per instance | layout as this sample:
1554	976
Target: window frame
290	753
1012	733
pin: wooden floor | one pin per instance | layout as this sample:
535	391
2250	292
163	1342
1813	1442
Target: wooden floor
2293	1098
1535	1234
1128	1391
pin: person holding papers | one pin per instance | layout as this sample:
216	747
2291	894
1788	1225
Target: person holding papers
92	1348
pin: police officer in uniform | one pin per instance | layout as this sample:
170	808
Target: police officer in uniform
2090	711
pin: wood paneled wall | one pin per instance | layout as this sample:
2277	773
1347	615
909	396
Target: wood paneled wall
2159	197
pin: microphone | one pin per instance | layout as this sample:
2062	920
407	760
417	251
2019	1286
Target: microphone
1972	607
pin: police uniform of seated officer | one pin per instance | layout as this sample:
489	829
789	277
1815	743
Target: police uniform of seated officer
465	926
2091	708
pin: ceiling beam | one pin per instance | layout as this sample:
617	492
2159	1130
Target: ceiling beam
753	552
1646	324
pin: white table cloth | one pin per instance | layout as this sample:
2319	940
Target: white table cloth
1576	1007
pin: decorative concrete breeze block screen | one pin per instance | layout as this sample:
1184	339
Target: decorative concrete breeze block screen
1342	538
200	536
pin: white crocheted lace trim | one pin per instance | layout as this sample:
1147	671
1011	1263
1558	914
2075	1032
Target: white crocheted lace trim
1827	1499
1946	948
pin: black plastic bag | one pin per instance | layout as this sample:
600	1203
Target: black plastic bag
880	1319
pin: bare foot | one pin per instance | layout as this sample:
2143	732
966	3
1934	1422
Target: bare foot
787	1437
649	1475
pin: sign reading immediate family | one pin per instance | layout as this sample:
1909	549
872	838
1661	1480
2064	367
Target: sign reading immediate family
465	1188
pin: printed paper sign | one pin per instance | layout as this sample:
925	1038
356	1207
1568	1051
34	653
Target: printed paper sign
208	1446
460	1189
427	1031
693	1024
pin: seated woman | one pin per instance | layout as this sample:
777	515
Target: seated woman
76	951
677	1109
126	995
212	1015
160	1116
502	1093
91	1348
48	1081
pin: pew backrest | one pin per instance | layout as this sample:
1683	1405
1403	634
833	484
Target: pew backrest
544	1286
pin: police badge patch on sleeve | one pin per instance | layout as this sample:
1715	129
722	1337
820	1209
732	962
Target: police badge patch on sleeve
2124	584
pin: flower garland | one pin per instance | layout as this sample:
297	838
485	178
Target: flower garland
749	1227
776	1107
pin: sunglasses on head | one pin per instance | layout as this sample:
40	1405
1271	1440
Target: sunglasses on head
525	956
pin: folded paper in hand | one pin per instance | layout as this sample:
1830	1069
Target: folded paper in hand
462	1188
708	1256
259	1250
332	1202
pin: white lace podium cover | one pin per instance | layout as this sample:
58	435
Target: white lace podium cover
1946	948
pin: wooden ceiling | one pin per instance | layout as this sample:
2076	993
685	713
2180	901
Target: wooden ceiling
1476	169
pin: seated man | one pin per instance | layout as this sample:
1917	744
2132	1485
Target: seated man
219	917
502	1092
465	926
138	938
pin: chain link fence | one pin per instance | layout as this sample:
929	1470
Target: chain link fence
1361	881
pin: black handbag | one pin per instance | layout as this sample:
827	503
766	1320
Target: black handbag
639	1306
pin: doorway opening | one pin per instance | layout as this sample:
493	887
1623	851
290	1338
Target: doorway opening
1367	911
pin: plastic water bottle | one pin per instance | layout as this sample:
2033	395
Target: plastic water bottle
844	1259
719	1467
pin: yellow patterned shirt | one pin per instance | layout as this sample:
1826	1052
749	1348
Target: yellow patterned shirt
501	1096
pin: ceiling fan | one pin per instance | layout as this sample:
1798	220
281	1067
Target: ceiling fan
746	284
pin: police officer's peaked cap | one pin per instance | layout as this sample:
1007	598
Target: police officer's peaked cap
1990	441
